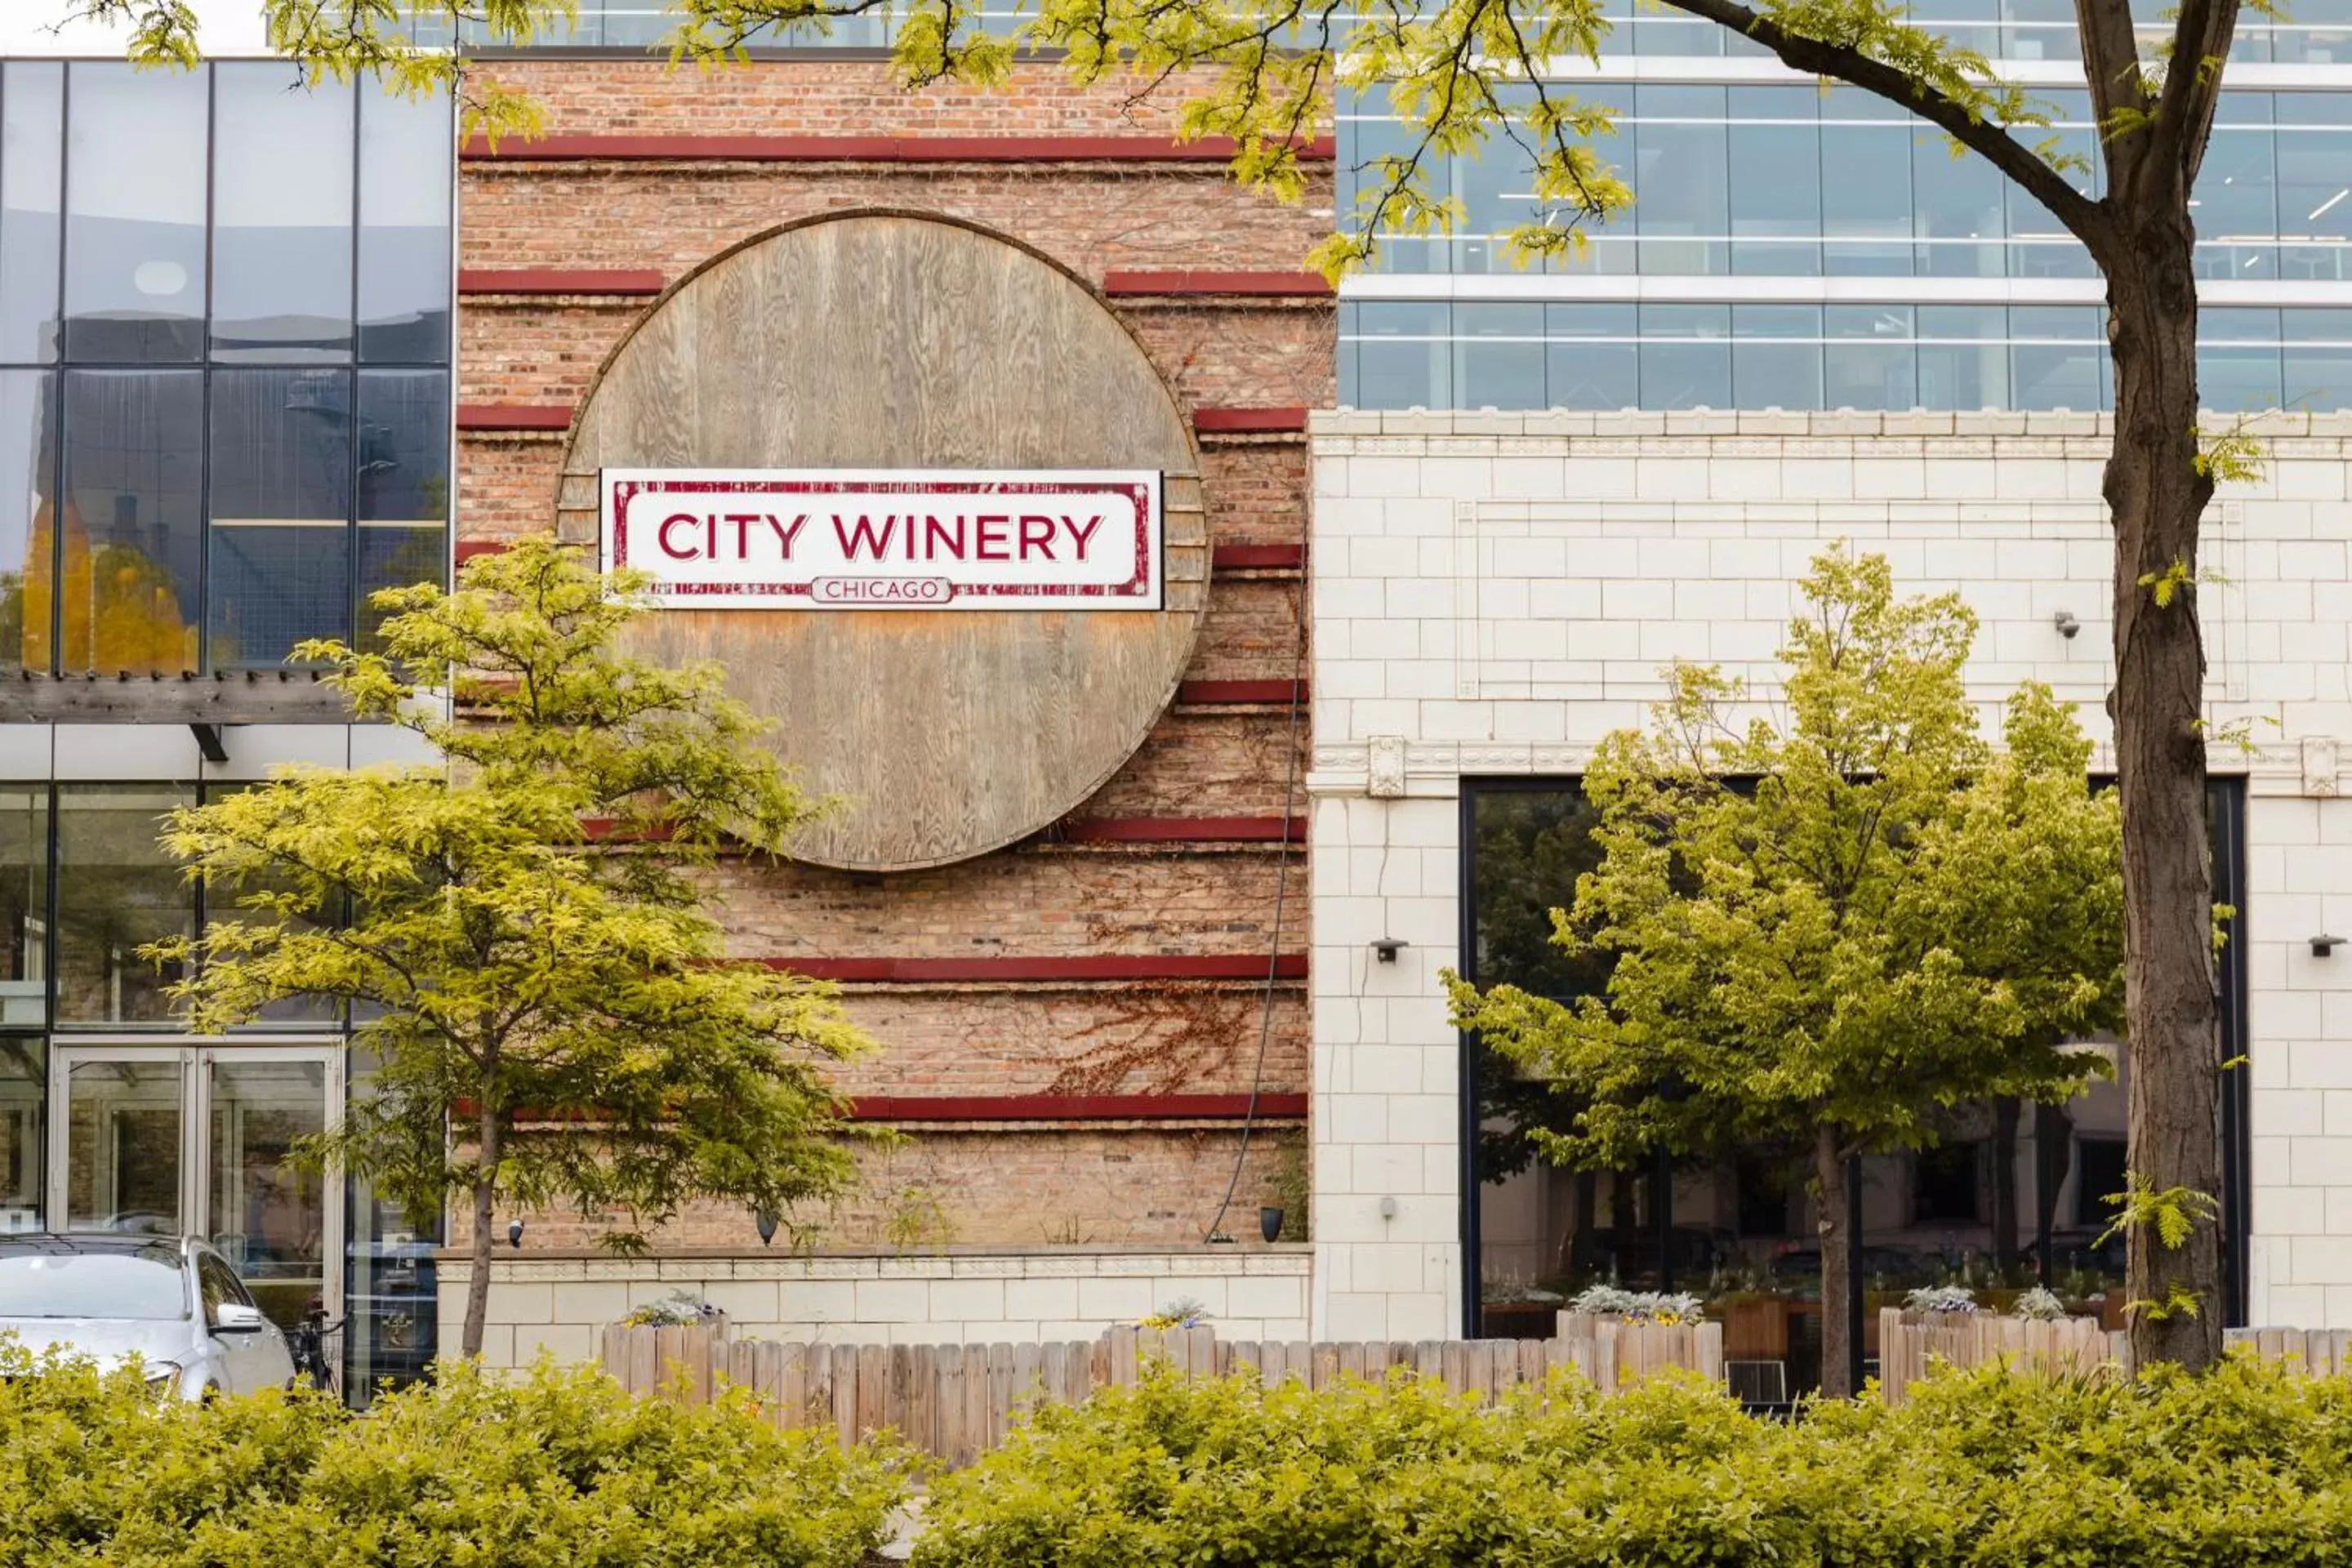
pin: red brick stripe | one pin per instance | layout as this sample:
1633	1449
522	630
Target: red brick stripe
556	280
512	416
1072	1107
1239	692
1186	829
1269	284
1249	421
868	149
1085	966
1257	557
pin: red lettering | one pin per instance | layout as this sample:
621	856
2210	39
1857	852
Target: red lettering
1081	534
742	522
662	537
993	536
863	535
1039	531
934	534
784	536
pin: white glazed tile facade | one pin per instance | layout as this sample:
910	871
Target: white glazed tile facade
1493	592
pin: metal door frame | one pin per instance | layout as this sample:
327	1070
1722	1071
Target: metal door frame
196	1060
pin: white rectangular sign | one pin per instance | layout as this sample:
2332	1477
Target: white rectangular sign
868	539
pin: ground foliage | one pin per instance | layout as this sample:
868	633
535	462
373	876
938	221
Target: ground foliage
557	1469
2247	1465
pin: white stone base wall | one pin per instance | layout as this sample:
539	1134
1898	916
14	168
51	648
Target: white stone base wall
559	1304
1494	593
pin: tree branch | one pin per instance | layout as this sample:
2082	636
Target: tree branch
2184	112
2082	216
2110	58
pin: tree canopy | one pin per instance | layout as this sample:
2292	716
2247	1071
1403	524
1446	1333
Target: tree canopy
1830	918
519	930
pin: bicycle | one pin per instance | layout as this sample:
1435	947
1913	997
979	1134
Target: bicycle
308	1347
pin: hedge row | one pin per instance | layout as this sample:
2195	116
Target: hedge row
2248	1464
557	1470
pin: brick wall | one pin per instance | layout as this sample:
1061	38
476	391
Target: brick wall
1145	1180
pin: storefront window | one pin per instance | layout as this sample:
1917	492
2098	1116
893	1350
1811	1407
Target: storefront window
2006	1196
24	1088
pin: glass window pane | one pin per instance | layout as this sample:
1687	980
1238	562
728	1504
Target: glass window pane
1957	215
2059	359
28	529
2318	362
1776	356
281	216
1402	354
2238	360
32	164
1869	360
268	1212
123	1169
404	510
23	1091
1963	357
2237	205
407	150
281	509
116	892
2314	183
24	911
135	214
1776	181
132	528
1865	184
1685	357
1498	356
1682	179
1590	360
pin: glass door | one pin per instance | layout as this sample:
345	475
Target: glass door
268	1216
202	1140
118	1160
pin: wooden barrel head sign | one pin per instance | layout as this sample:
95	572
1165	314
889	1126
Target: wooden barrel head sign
928	503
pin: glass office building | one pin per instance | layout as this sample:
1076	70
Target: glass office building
224	362
1802	247
225	420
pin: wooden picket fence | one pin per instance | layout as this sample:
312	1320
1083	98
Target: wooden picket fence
1911	1344
955	1402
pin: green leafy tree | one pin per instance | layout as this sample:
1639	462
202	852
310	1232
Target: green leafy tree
520	932
1477	76
1830	921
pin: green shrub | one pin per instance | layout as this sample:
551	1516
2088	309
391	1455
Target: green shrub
558	1469
2248	1464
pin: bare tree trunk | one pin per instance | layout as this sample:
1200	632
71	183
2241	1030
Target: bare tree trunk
2004	1188
485	1241
1837	1266
2157	499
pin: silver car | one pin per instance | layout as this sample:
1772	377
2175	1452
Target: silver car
177	1304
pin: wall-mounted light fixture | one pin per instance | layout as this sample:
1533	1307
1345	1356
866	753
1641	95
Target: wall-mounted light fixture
514	1234
767	1224
1386	948
2324	944
2066	624
1388	1208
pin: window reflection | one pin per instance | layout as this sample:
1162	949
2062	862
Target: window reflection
135	214
23	1089
2006	1196
24	907
406	164
281	216
116	892
32	164
131	529
281	479
404	486
27	527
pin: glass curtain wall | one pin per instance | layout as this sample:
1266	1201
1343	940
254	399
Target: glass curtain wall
2008	1196
224	322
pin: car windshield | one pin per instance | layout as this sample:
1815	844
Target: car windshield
143	1284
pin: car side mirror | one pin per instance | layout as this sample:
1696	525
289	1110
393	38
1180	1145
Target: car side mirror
236	1318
